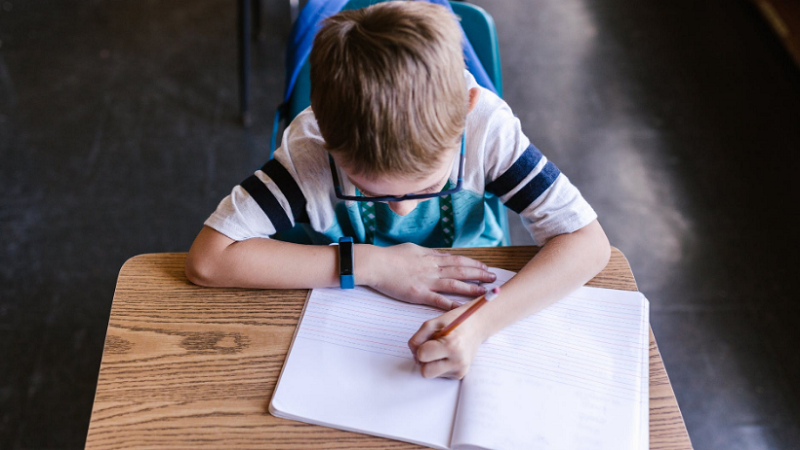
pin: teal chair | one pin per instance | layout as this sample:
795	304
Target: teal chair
479	28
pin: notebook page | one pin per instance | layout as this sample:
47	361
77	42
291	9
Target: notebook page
567	377
644	421
350	368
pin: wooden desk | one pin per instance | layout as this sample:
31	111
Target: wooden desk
186	367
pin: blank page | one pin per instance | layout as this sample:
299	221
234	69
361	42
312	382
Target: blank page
567	377
350	367
644	407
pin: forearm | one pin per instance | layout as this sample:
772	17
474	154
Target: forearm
215	260
406	272
564	264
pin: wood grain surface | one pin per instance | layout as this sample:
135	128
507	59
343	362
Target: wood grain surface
186	367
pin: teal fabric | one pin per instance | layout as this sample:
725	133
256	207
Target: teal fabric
446	224
479	27
476	224
301	97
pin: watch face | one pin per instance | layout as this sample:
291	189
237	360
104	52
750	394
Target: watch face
346	258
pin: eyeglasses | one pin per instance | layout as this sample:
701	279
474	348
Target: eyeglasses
392	198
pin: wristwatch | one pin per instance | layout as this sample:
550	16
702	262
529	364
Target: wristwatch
346	279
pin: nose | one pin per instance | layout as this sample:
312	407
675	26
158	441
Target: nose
403	208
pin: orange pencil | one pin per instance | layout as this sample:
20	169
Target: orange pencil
470	311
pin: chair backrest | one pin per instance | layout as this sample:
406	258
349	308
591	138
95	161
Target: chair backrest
481	32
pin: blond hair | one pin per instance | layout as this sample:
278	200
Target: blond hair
388	88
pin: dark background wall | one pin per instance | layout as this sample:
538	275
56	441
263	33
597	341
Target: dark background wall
678	120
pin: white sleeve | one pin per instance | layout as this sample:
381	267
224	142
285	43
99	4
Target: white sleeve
528	183
240	217
295	186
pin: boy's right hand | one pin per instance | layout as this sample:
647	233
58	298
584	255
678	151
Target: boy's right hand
417	274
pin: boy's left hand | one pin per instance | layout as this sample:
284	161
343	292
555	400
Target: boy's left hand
449	356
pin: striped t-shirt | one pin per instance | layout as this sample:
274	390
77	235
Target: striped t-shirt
296	187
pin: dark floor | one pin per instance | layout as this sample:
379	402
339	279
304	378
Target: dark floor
678	120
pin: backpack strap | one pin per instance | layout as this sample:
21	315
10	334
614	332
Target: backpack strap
302	37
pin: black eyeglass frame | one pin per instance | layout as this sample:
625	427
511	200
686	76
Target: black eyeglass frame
392	198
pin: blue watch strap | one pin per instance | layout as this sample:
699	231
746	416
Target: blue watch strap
346	274
347	281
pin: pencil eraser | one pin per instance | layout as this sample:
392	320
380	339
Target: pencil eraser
492	294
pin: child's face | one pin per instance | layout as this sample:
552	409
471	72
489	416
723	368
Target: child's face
399	186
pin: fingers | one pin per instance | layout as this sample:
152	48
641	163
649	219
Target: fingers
432	350
463	268
452	286
439	301
422	335
441	357
445	368
466	273
446	259
425	332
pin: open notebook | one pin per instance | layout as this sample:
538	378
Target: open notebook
575	375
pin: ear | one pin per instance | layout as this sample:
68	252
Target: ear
474	96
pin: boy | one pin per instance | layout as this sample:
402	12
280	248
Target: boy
395	114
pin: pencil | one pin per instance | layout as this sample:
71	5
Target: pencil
465	315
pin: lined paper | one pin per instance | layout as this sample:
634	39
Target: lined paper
350	367
363	320
575	375
570	376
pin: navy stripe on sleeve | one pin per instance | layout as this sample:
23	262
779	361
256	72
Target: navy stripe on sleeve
268	203
288	186
534	188
526	162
